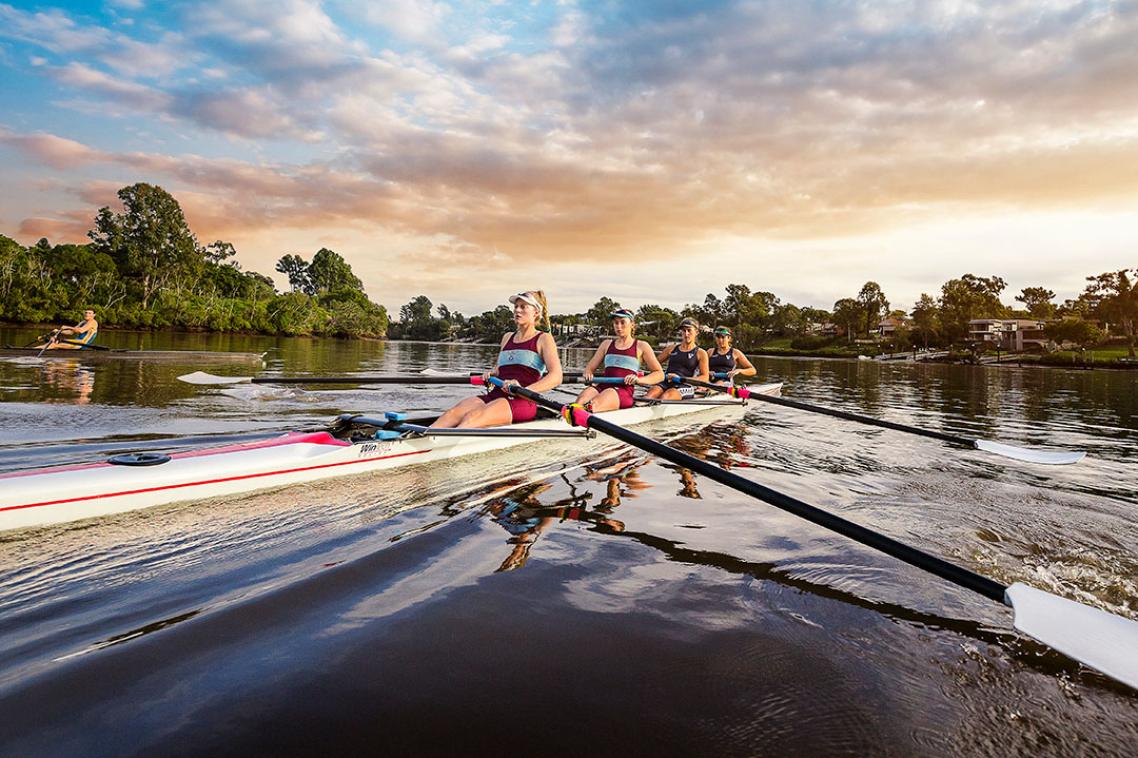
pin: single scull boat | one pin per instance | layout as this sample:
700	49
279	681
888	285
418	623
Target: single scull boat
92	353
356	445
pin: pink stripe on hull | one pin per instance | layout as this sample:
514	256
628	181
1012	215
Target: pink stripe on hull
291	438
210	481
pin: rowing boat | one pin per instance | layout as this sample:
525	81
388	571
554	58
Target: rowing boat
123	483
110	353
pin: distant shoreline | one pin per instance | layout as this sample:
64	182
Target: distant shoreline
1030	360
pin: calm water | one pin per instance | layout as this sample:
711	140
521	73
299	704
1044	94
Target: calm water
561	600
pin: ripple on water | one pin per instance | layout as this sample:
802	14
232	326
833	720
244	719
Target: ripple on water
705	620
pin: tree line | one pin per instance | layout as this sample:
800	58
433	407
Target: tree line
759	318
144	268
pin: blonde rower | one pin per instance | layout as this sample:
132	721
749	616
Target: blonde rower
623	358
527	357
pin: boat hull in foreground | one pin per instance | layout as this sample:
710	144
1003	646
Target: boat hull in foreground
69	493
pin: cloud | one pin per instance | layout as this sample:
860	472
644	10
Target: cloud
53	30
57	32
71	227
417	20
57	152
582	134
245	112
131	94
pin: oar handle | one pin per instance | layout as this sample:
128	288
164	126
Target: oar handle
577	415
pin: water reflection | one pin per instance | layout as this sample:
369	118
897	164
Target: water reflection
67	381
525	517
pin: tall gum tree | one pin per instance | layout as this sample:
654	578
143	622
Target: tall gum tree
149	241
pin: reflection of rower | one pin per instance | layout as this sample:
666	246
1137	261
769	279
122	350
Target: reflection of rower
525	518
84	334
67	376
688	486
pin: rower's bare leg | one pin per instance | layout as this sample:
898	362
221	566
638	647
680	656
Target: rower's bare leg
495	413
654	392
671	394
451	418
608	400
587	394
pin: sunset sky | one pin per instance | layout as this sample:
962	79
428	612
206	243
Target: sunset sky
649	151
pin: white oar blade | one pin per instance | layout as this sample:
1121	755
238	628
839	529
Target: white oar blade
1049	457
1098	639
201	377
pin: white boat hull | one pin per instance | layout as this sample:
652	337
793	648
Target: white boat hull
70	493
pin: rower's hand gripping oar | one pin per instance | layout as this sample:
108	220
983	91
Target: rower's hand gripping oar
50	341
201	377
1101	640
1051	457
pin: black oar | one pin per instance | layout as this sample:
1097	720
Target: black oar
201	377
1052	457
1091	636
50	339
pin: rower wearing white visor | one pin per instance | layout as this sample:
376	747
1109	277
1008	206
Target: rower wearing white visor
686	360
527	358
622	358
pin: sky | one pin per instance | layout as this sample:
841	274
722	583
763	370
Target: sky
652	152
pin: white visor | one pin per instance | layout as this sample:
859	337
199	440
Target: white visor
525	297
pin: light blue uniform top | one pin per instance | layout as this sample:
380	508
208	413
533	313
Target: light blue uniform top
627	362
527	358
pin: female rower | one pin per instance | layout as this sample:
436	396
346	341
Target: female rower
527	358
685	359
725	358
621	357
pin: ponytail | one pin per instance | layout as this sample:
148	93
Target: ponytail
539	295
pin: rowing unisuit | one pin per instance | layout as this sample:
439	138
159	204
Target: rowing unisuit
618	364
684	362
526	358
521	362
718	363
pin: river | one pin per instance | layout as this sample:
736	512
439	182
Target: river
635	609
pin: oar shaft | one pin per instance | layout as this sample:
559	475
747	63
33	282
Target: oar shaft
914	557
799	405
887	545
475	379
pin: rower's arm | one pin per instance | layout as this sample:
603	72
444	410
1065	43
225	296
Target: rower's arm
704	374
655	374
595	362
663	355
547	348
748	368
493	370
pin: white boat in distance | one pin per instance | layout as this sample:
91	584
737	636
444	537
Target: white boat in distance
57	494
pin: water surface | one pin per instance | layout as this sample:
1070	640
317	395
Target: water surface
566	598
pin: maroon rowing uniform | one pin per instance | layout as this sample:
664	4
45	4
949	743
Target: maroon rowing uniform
521	362
620	363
